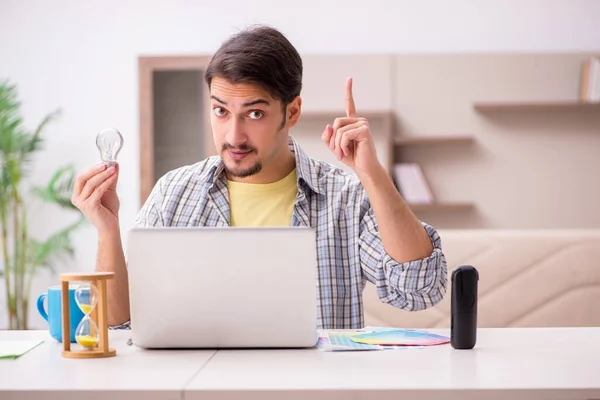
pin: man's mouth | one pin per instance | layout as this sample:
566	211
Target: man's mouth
237	154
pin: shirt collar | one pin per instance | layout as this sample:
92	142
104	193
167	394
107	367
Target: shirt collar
305	169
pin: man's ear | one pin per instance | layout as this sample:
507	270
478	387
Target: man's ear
293	111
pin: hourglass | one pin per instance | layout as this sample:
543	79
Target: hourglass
92	332
87	334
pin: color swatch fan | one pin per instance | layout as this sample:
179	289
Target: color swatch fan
400	337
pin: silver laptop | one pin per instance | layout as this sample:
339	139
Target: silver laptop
229	287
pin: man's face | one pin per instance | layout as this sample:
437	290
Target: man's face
247	127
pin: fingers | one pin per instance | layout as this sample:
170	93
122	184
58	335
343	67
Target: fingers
116	177
343	121
338	140
339	123
327	133
102	188
345	136
95	182
84	176
347	139
350	107
332	138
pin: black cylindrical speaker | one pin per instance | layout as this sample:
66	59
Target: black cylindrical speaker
463	324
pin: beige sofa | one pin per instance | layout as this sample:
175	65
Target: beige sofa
527	278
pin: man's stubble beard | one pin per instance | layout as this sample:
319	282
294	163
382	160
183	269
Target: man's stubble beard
237	172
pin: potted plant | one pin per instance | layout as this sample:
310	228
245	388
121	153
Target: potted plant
23	256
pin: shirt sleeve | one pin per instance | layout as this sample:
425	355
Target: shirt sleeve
412	285
148	216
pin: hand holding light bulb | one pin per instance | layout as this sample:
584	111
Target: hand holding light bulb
95	190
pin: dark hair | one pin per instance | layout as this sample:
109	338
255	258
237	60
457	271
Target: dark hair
260	55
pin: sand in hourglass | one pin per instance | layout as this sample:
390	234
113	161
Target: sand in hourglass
86	308
87	334
87	341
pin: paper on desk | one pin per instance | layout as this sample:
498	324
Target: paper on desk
342	341
11	349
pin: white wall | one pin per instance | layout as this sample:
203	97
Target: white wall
82	57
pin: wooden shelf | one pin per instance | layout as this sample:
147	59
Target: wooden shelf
410	141
442	207
536	106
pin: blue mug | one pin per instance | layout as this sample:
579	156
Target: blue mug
54	314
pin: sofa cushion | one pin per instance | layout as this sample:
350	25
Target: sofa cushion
527	278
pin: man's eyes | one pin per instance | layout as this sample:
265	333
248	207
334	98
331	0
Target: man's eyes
219	111
254	114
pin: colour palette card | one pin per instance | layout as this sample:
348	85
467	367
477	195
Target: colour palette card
342	341
399	337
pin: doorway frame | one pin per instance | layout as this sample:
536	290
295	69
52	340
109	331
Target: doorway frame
147	65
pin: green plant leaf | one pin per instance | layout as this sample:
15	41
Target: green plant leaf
18	147
57	247
59	189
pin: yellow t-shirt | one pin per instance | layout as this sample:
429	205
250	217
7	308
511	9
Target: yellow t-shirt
269	204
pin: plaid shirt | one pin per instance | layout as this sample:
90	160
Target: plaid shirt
349	248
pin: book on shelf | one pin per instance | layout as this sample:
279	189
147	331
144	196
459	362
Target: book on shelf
412	184
589	86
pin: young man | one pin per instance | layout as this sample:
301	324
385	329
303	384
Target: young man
365	231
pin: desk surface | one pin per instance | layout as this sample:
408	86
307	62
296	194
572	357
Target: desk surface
556	363
132	373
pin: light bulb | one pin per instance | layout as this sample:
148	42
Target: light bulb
109	141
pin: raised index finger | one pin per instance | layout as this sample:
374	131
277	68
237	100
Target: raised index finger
350	108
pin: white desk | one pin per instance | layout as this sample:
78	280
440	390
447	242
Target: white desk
506	363
132	374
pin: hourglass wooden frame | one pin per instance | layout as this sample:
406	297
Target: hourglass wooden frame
99	315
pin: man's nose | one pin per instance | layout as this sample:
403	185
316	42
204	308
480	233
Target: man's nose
235	133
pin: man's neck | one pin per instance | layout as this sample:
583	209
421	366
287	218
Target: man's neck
277	171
